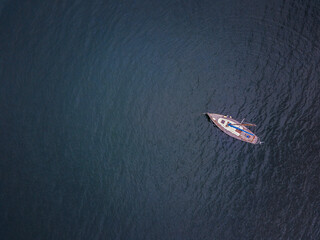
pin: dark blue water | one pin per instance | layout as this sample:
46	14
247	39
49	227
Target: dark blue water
102	133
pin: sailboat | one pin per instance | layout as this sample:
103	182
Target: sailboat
234	128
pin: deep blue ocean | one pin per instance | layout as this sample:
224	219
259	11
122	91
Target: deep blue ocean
102	134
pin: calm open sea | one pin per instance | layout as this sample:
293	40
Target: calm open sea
102	134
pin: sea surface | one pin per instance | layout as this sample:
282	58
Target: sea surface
102	134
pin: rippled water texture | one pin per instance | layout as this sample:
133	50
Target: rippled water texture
102	132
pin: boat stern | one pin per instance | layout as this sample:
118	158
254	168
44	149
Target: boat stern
256	140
